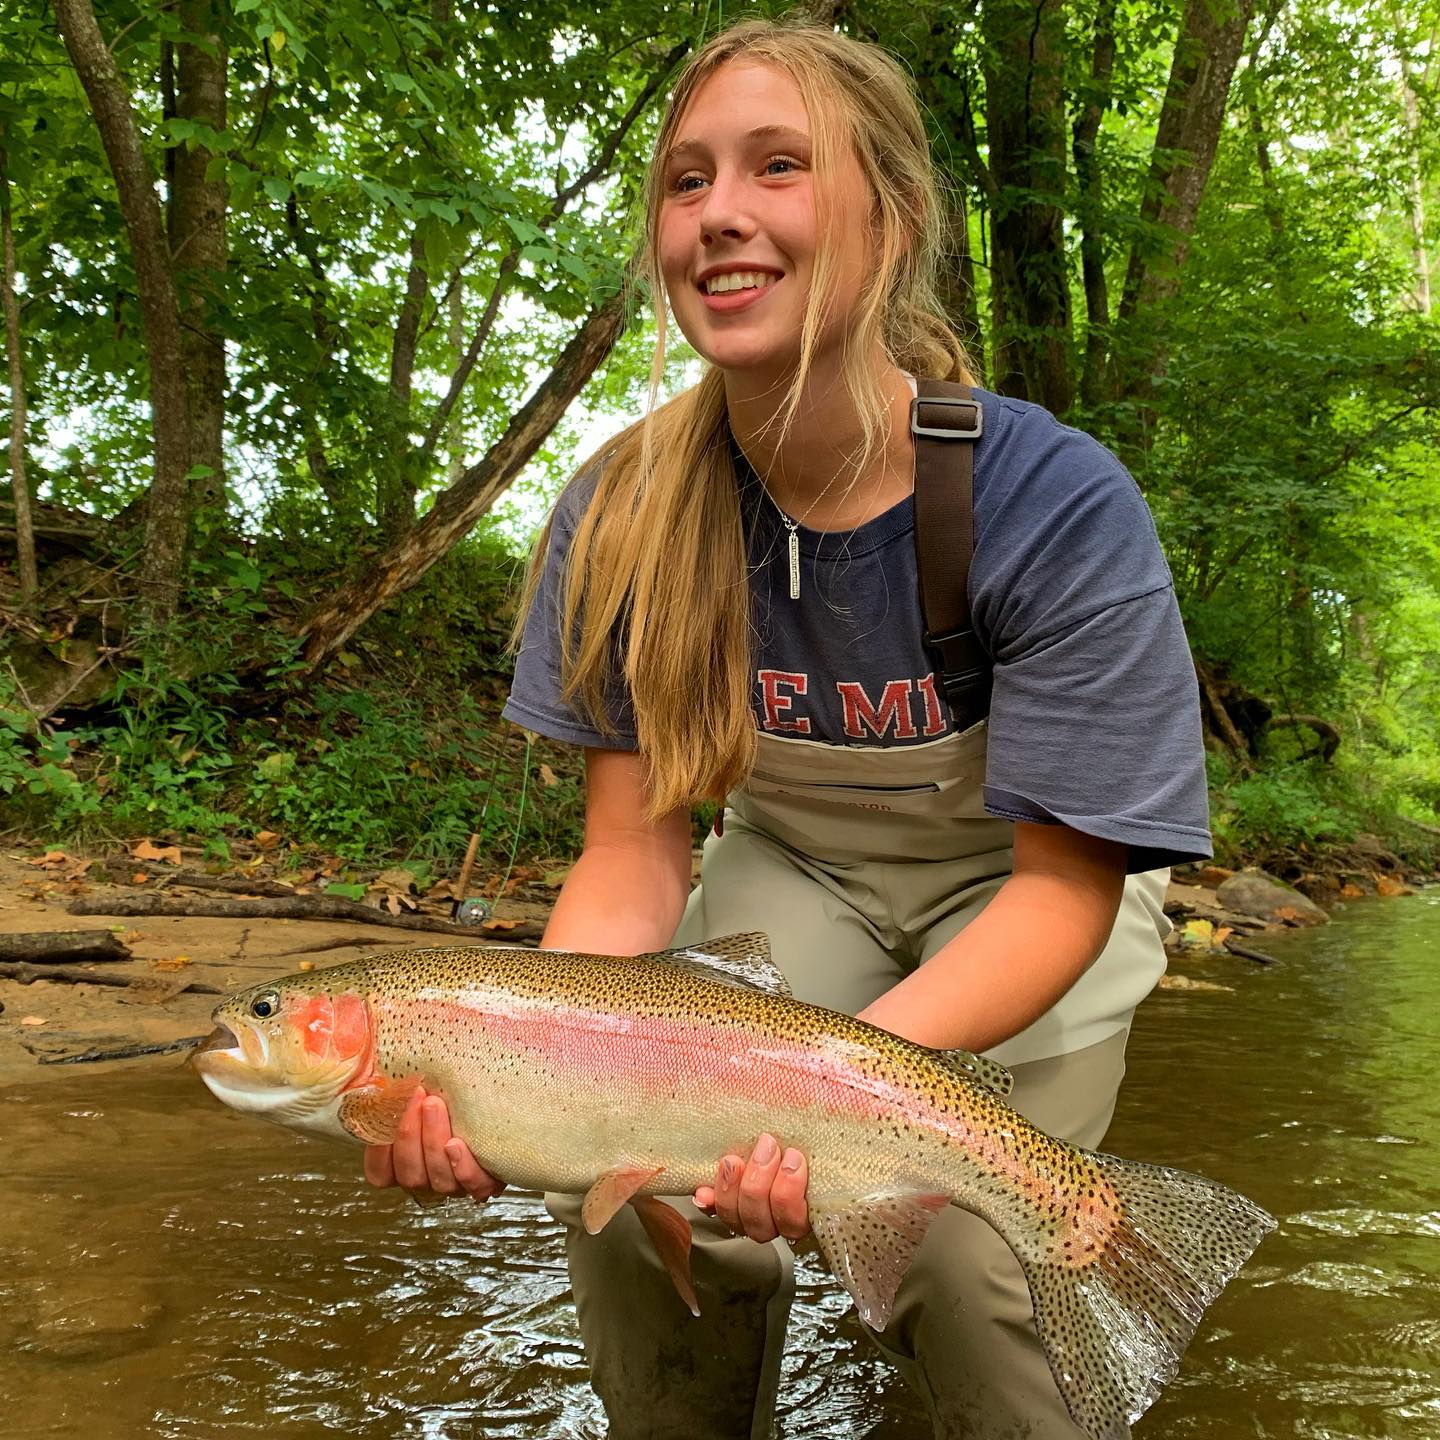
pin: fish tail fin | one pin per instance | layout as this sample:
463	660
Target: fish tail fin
1119	1290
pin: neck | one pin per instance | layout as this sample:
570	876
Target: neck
809	472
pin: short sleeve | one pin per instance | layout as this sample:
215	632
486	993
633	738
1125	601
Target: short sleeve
1094	718
536	700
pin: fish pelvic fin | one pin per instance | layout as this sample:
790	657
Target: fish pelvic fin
670	1234
371	1112
741	960
869	1241
1119	1290
605	1197
978	1070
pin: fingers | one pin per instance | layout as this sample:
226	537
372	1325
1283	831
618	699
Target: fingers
380	1165
788	1203
427	1158
435	1134
727	1191
478	1183
756	1218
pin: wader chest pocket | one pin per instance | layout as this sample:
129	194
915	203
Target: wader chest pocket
912	798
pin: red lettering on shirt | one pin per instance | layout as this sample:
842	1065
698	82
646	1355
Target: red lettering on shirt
894	710
934	716
777	704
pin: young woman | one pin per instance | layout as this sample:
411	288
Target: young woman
725	603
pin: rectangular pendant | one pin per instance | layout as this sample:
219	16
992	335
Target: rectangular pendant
794	566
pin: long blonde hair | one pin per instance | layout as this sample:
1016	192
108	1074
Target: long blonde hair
655	578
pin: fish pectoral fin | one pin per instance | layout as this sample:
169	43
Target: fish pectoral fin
605	1197
669	1233
978	1070
371	1112
869	1241
739	960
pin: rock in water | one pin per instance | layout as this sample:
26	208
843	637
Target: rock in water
1253	892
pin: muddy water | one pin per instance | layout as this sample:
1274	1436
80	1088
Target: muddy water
169	1269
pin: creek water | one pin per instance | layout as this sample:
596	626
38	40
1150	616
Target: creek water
170	1269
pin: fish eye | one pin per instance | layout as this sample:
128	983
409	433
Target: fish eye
266	1005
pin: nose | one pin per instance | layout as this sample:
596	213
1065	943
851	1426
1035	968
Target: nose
725	213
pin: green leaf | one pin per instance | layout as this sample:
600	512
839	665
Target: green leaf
347	892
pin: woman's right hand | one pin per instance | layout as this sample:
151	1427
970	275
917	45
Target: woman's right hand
426	1158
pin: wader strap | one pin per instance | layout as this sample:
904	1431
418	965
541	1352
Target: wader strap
946	421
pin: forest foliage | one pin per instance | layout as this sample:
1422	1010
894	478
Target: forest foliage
297	294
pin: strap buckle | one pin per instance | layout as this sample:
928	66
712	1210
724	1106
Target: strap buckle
938	432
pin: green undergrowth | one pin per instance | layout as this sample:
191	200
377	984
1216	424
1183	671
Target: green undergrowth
396	750
1289	808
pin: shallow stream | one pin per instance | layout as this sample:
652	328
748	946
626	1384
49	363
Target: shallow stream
170	1269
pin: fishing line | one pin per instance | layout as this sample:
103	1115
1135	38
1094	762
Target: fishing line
519	818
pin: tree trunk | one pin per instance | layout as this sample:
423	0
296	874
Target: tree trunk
1030	283
458	508
1092	213
1206	52
197	243
20	488
395	487
168	503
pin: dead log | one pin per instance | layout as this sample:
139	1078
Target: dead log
232	884
68	975
1246	952
60	947
293	907
125	1052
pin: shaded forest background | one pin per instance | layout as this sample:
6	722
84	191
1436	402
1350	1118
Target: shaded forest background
299	299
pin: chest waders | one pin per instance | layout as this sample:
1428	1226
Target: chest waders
860	863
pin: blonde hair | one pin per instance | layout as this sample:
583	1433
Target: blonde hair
655	581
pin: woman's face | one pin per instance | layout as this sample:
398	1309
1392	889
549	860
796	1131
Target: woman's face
739	211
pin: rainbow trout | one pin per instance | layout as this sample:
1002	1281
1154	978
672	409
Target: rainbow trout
627	1079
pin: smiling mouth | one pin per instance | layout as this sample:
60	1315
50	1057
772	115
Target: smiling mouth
738	282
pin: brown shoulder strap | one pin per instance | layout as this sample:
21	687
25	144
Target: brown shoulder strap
946	421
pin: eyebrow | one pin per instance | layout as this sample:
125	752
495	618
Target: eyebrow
760	132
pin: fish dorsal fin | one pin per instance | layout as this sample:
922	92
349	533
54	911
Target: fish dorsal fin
869	1241
741	960
977	1069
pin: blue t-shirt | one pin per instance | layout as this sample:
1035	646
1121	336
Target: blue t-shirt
1094	712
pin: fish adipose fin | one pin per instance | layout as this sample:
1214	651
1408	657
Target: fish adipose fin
605	1197
869	1242
1119	1291
742	960
371	1112
978	1070
669	1233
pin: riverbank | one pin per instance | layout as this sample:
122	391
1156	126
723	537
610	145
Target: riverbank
179	964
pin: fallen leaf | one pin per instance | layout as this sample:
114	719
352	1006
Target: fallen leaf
397	880
1351	891
307	964
139	878
32	1020
50	860
392	904
500	924
1389	885
1197	932
144	850
1222	935
174	962
267	839
548	776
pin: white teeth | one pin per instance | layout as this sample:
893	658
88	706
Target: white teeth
738	280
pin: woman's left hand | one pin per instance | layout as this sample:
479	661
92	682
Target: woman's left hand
762	1197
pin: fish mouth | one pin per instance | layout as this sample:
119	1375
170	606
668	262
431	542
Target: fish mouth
222	1037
